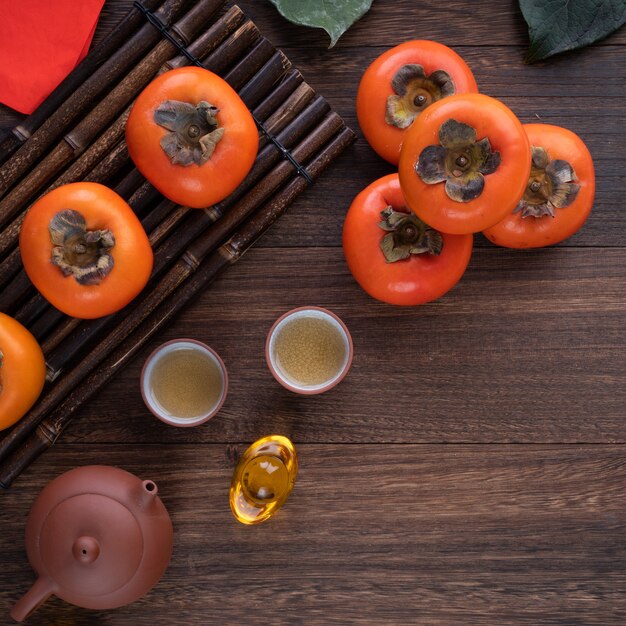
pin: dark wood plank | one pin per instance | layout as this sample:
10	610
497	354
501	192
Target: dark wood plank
457	22
380	534
528	347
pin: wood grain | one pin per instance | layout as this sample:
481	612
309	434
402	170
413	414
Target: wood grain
490	488
372	534
526	348
458	22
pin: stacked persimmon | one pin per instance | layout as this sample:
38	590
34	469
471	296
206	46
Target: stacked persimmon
465	164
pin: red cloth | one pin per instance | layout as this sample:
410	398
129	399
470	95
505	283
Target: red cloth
41	42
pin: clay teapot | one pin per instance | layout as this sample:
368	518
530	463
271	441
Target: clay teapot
98	537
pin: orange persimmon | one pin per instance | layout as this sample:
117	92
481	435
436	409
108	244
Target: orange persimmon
22	371
464	163
190	134
400	84
559	193
85	250
393	255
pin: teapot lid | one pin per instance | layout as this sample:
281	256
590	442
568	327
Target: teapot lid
90	544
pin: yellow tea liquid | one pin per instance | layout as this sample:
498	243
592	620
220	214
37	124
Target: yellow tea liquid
186	383
309	350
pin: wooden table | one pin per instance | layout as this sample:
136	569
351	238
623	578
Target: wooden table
472	467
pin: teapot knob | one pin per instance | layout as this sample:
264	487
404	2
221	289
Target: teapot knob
86	550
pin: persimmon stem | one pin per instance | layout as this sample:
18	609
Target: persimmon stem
79	252
194	131
407	235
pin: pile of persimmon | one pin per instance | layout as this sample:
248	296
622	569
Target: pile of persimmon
466	164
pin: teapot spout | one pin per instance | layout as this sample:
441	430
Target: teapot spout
147	495
33	599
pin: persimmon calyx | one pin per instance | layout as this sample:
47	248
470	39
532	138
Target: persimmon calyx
551	185
414	91
194	131
79	252
461	161
407	235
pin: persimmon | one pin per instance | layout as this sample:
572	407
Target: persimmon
393	255
22	371
191	136
401	84
464	163
559	192
85	250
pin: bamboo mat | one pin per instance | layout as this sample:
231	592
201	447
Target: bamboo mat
299	137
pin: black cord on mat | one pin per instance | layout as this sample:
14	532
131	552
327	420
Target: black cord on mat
162	28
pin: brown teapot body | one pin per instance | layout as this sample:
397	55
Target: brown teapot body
98	537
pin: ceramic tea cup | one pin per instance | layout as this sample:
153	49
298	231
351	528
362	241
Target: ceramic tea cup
184	383
309	350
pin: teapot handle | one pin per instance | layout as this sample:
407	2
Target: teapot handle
33	599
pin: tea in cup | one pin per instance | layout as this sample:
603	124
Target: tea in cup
309	350
184	382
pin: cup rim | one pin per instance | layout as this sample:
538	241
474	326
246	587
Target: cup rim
301	390
189	422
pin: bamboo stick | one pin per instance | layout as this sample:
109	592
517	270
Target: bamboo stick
123	31
16	292
51	121
183	268
50	429
206	41
100	156
246	36
110	165
9	268
143	200
135	187
32	310
258	56
46	323
60	335
77	140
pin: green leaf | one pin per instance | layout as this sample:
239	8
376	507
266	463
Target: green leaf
559	25
334	16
